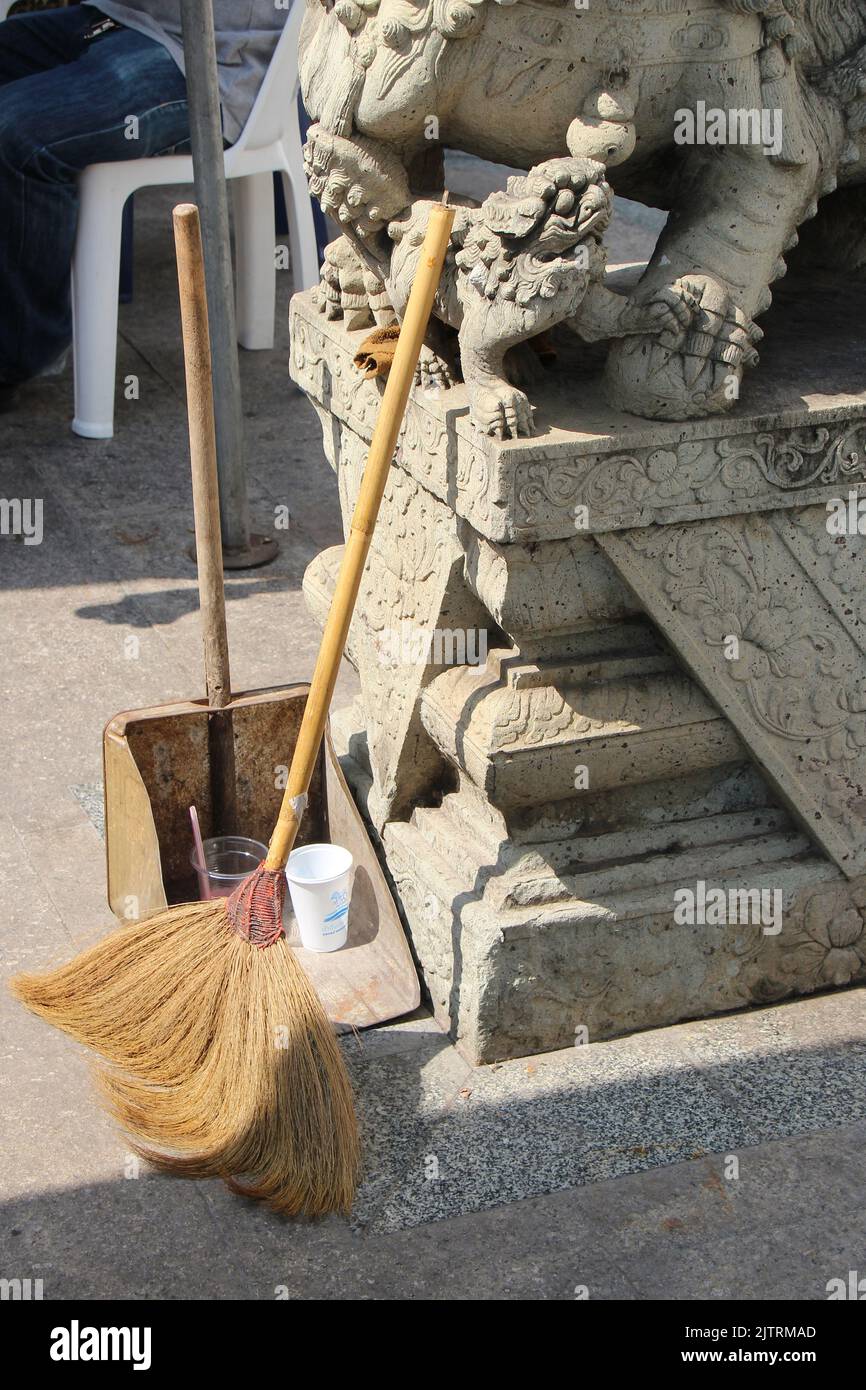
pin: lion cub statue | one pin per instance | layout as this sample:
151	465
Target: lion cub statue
529	257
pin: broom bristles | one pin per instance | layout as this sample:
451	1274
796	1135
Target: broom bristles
217	1057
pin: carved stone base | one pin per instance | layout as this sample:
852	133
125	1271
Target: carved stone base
644	676
532	946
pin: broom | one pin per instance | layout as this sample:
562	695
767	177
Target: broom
218	1057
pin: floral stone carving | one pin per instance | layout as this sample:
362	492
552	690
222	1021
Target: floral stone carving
744	603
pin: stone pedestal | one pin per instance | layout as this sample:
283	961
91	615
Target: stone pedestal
673	692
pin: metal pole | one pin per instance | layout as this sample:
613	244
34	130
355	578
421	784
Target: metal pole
240	549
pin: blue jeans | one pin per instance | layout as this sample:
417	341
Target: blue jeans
66	102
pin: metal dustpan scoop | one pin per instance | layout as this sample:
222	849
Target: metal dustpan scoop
229	754
156	766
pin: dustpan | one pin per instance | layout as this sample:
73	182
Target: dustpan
156	766
228	755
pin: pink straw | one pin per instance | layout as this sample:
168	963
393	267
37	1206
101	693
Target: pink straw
199	845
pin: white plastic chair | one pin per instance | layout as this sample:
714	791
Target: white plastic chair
270	142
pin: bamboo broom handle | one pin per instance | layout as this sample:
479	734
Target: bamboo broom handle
372	487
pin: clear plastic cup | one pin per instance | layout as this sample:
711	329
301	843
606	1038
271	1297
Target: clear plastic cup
320	884
228	860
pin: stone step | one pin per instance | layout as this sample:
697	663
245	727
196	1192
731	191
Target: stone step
525	745
635	637
656	901
642	889
516	889
612	863
571	852
666	802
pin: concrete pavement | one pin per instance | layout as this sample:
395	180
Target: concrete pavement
716	1160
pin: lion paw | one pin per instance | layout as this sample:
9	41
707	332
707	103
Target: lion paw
697	315
721	331
342	293
501	411
348	291
359	183
668	314
691	370
433	373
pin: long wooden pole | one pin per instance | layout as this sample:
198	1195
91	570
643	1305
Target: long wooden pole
206	508
372	487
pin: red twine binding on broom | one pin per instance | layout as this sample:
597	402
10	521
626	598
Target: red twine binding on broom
255	908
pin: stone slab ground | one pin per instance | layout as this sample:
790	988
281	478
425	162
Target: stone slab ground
604	1167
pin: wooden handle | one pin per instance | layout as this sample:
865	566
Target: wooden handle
372	487
202	451
206	508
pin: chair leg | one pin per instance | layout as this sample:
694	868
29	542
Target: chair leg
95	279
127	251
302	228
255	263
302	234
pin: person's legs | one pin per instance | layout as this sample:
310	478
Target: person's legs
31	43
122	97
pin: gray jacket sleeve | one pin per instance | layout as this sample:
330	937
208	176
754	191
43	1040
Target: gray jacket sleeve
246	36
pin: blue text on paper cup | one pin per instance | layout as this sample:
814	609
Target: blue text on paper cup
333	921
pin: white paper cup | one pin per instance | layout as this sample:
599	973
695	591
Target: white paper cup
320	886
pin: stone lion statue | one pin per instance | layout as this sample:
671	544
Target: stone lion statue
737	116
